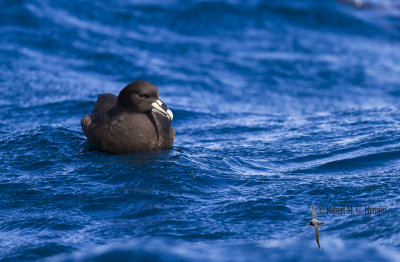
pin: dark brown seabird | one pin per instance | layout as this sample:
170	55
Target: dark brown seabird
128	123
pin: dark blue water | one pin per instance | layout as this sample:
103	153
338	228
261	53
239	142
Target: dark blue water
277	104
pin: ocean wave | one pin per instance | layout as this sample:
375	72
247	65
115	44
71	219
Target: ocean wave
276	104
164	250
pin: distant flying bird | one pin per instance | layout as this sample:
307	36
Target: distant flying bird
315	223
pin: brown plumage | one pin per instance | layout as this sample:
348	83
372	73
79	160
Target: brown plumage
127	123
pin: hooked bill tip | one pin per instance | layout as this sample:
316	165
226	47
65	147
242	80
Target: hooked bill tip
158	107
171	116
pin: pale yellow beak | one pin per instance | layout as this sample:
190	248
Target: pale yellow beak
161	108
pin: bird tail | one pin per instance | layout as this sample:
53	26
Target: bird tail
85	122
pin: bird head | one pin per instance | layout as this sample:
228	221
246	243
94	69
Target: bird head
142	97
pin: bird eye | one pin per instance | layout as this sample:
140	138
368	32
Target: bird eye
141	95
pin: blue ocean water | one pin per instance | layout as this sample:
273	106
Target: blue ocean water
276	104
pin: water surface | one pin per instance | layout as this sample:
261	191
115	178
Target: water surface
276	104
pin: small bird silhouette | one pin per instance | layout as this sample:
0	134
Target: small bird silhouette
315	223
